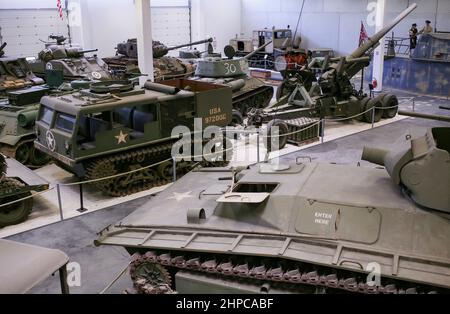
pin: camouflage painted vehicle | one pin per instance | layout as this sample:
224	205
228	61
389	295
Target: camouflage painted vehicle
301	228
248	92
20	92
71	61
332	95
164	67
17	183
116	127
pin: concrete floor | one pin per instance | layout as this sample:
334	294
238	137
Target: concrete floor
100	265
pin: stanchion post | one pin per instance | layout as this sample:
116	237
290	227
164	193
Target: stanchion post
257	146
174	169
414	104
322	130
81	209
58	192
373	117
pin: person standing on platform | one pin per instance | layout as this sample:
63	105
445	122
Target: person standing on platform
427	28
413	36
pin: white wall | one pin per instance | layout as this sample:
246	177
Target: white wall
220	19
336	23
28	4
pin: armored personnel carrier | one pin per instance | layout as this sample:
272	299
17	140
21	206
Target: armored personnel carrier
248	92
116	128
332	95
302	227
20	92
71	60
17	184
164	67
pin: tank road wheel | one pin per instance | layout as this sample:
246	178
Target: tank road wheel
18	212
165	170
22	154
377	103
101	169
38	158
362	105
275	130
150	278
236	118
390	101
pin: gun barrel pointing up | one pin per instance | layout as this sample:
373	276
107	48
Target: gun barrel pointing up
373	41
209	40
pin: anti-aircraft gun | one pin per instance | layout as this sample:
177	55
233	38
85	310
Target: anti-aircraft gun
332	94
70	62
165	67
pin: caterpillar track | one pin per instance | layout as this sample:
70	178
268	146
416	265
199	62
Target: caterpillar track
151	271
25	153
147	178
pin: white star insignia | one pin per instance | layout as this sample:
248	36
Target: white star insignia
180	196
121	138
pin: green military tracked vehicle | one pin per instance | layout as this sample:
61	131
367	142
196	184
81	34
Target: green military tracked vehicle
303	227
248	92
20	92
17	183
116	127
70	61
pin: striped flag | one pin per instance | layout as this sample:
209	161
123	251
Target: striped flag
60	9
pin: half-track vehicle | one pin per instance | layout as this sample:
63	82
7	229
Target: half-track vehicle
303	227
116	127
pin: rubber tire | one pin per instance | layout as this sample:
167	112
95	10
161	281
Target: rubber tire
362	105
282	139
21	210
374	102
236	118
390	100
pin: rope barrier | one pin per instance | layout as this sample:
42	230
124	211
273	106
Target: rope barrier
25	198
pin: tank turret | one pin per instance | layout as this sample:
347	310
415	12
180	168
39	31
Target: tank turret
129	48
217	67
420	165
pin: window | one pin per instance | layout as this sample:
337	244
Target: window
46	115
65	122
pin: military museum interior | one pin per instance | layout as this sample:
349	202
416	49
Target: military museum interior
224	147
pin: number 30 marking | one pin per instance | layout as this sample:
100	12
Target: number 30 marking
229	68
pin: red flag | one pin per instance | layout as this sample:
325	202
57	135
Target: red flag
362	35
60	9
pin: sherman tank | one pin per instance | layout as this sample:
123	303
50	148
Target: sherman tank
116	127
71	61
303	227
20	92
164	67
17	184
248	92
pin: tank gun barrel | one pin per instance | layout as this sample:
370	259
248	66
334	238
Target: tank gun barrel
258	49
3	46
87	51
373	41
424	116
204	41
